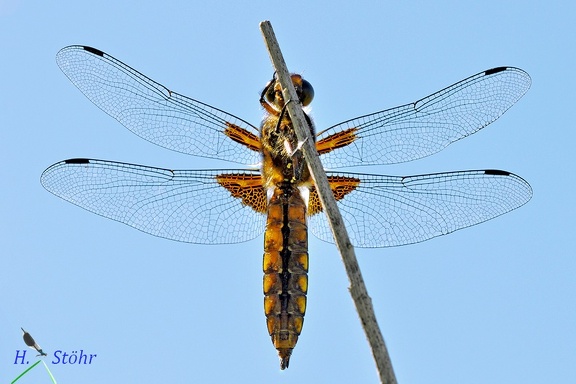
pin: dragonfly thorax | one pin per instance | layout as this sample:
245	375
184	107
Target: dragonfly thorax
282	158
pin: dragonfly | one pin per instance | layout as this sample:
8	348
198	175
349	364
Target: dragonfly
274	194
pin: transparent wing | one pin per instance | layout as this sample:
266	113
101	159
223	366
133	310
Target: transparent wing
151	110
386	211
187	206
424	127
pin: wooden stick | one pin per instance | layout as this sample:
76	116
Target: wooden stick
357	287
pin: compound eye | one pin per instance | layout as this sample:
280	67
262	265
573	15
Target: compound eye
307	93
269	93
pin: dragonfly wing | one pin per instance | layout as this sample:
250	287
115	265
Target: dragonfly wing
387	211
188	206
424	127
152	111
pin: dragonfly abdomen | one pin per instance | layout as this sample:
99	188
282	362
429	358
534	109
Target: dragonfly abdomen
285	268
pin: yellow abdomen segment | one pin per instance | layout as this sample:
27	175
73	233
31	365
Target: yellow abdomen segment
285	269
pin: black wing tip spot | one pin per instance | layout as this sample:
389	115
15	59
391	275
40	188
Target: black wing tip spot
495	70
94	51
496	172
77	161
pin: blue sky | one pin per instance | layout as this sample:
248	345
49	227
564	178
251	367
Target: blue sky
492	303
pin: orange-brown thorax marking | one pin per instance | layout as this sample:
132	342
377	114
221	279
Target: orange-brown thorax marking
340	186
336	140
242	136
246	187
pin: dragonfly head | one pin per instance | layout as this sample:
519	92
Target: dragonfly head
272	92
